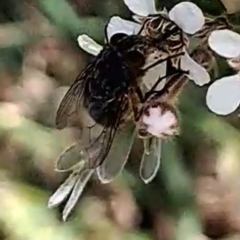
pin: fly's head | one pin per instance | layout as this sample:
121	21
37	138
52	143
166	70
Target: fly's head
132	50
117	39
159	119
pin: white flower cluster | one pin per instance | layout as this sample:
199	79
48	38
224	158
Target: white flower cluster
223	96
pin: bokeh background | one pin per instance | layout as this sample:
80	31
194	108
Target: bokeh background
196	194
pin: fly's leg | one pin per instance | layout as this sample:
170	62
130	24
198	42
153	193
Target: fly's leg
174	76
136	99
162	60
139	94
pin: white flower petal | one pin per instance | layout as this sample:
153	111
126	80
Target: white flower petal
153	74
119	25
223	96
142	7
196	72
225	42
138	19
187	16
89	45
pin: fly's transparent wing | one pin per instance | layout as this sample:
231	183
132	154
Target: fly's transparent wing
71	158
83	177
118	154
64	190
151	159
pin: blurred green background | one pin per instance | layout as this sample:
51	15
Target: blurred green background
196	194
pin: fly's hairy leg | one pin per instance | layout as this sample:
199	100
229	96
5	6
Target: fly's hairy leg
162	60
136	102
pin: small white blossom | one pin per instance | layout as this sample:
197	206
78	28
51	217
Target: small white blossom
159	121
223	96
225	43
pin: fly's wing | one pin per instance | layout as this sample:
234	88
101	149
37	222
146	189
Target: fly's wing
118	154
64	190
96	140
97	148
73	186
70	159
151	159
83	178
70	105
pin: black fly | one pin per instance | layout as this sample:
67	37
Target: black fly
105	88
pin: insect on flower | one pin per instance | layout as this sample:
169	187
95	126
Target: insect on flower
107	90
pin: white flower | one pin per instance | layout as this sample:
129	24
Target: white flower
159	119
223	96
160	123
225	42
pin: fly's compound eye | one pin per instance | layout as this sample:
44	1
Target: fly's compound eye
116	38
135	58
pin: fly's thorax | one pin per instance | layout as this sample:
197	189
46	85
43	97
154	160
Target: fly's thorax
112	75
158	118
